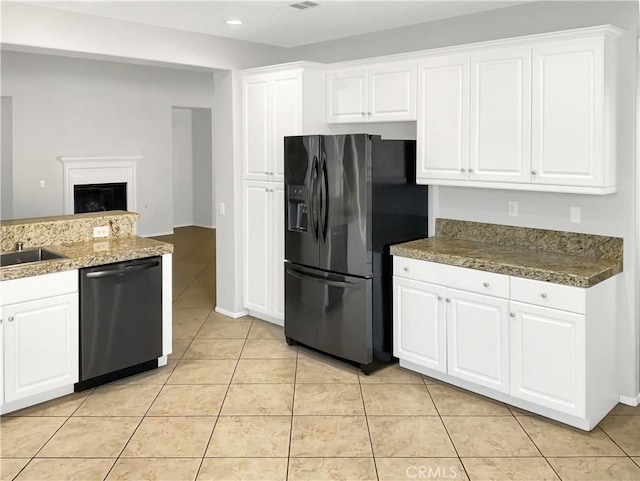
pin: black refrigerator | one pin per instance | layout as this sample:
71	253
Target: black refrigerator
348	198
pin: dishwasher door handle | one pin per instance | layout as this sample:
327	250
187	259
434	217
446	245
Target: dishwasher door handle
122	270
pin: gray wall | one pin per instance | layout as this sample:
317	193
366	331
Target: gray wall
6	159
204	214
182	157
74	107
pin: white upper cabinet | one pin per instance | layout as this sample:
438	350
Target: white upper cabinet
443	118
568	117
277	102
534	113
272	109
500	115
256	126
376	93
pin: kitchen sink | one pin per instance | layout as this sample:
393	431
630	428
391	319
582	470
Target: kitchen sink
26	256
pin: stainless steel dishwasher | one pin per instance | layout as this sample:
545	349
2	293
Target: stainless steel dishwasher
120	320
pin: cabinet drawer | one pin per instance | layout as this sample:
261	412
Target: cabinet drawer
472	280
546	294
38	287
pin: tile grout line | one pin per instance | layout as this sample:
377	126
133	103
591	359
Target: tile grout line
464	468
537	447
224	398
293	401
366	419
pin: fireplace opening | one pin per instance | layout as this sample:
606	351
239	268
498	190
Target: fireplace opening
99	197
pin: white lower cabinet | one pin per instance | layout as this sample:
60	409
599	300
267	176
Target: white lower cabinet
548	357
39	338
478	339
264	249
543	347
419	323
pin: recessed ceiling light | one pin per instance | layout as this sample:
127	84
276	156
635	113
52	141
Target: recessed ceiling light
233	22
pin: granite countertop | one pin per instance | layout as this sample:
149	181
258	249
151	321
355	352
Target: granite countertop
556	267
87	254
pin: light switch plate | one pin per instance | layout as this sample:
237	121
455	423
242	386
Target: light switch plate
574	215
101	231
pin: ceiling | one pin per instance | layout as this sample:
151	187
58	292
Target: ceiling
276	22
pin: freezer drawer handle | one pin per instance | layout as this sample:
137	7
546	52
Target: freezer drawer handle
123	270
324	280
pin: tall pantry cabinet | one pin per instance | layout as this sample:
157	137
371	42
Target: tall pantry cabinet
276	102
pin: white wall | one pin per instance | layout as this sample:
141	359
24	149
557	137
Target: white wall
32	28
74	107
6	159
182	156
204	214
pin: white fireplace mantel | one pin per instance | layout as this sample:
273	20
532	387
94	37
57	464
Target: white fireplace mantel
98	170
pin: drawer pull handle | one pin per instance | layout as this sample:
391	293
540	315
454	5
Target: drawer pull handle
543	295
10	319
439	298
406	269
512	314
486	284
448	300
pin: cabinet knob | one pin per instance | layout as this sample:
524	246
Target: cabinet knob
368	113
470	171
270	173
406	269
486	284
439	298
534	172
543	295
463	170
10	319
448	300
0	321
512	314
363	113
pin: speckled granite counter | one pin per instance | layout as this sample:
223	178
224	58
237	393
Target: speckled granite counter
579	260
72	237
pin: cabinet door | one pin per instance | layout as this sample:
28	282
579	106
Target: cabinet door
500	116
567	123
392	92
256	127
443	118
257	246
41	346
478	339
548	357
286	115
347	96
277	214
419	329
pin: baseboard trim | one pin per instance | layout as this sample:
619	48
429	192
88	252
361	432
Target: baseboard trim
158	234
205	226
176	226
234	315
630	400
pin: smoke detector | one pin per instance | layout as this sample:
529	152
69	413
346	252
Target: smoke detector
303	5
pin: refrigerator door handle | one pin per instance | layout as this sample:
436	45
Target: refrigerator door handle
323	280
313	187
324	197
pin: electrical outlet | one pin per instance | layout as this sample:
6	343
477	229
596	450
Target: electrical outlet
101	231
513	208
574	215
222	208
43	184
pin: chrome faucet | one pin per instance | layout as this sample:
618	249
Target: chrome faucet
19	246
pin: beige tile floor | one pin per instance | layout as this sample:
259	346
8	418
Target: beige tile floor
235	402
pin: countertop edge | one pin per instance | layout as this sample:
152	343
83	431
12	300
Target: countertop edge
526	272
